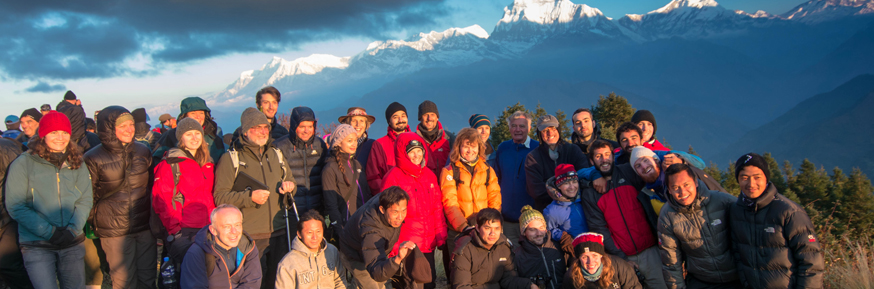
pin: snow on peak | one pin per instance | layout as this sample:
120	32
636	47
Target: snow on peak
758	14
426	41
828	9
676	4
547	11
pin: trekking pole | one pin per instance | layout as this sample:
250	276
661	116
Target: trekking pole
287	226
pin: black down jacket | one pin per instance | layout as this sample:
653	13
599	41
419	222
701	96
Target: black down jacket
306	158
121	180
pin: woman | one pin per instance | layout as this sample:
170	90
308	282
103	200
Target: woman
595	269
182	193
48	191
425	223
340	184
358	118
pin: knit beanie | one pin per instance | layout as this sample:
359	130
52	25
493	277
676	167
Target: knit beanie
752	159
123	118
185	125
250	118
31	112
426	107
589	242
642	115
546	121
340	133
641	151
392	109
69	95
414	144
53	121
478	120
564	173
140	115
529	214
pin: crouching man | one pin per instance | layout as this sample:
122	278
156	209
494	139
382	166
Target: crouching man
223	256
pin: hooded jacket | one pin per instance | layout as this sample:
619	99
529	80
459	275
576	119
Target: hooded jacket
303	269
212	133
545	260
539	167
510	168
382	158
624	277
438	151
196	184
362	154
194	270
563	214
698	235
596	135
368	238
306	159
775	243
121	179
85	139
343	195
476	267
464	197
425	224
9	151
259	220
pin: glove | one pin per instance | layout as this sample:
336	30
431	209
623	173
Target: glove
62	237
567	243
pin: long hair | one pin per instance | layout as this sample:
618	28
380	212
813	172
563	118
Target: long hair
606	274
337	155
38	147
201	155
473	137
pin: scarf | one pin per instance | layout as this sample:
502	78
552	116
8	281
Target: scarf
430	136
469	165
553	154
593	277
362	139
58	159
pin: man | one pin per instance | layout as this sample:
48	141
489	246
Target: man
540	163
437	141
509	159
358	118
194	107
142	133
537	257
72	107
119	168
267	100
482	125
647	124
382	155
370	234
12	124
484	257
223	254
29	120
624	214
12	270
265	209
312	262
167	122
628	136
586	130
305	155
45	108
772	238
694	234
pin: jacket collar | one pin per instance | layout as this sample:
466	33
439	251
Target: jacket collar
478	242
402	161
393	135
529	247
758	203
298	246
206	241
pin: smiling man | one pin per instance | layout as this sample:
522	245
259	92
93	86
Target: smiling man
223	254
509	160
29	120
537	257
312	262
305	154
382	154
267	100
540	164
484	257
437	141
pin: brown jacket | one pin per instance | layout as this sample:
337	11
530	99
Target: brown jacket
475	267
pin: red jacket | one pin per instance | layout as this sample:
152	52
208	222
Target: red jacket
438	151
195	185
382	158
655	145
425	224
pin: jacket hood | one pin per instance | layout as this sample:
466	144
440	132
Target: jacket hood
300	114
206	241
191	104
298	246
76	114
403	161
758	203
106	126
555	192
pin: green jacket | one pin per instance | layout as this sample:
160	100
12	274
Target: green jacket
40	197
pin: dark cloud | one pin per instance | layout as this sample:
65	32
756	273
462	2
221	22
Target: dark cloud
46	88
97	39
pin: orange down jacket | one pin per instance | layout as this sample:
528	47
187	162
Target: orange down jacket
463	198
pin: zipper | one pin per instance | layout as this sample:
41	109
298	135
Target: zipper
61	207
707	246
546	265
627	229
227	270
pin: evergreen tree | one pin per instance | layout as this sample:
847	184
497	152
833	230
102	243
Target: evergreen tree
811	185
611	111
501	129
857	191
692	151
563	125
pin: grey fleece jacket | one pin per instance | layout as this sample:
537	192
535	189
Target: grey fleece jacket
303	269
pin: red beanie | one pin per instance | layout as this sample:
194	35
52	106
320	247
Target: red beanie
589	242
53	121
563	173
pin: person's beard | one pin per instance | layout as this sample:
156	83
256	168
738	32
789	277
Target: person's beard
651	177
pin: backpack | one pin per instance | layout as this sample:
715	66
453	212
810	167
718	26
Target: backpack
235	161
155	225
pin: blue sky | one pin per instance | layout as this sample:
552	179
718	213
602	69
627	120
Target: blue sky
143	53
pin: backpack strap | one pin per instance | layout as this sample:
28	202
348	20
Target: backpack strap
177	197
456	175
209	259
281	162
488	175
235	160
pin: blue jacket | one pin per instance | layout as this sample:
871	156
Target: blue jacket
510	168
565	217
194	275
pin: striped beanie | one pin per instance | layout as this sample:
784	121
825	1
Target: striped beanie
478	120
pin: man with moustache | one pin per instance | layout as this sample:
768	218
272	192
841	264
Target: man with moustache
586	130
437	141
540	163
537	257
382	156
628	135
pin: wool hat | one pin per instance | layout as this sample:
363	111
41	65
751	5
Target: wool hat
31	112
69	95
642	115
340	133
414	144
140	115
426	107
250	118
392	109
356	111
53	121
123	118
564	173
752	159
478	120
529	214
546	121
165	117
589	242
45	107
185	125
417	266
641	151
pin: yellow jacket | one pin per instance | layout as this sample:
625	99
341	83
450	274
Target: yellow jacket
464	200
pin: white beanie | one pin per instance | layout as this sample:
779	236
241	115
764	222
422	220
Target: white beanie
641	151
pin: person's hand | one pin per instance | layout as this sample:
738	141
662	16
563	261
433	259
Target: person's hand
404	250
260	196
286	187
567	243
600	185
62	237
534	286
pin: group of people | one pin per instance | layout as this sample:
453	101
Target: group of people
273	206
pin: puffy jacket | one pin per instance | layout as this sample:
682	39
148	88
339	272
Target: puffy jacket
120	177
196	184
9	151
775	243
467	195
303	269
475	267
425	224
258	220
624	215
655	145
438	151
510	167
565	216
41	196
368	238
79	135
362	154
306	159
382	158
624	277
546	261
212	133
699	236
194	269
539	167
343	195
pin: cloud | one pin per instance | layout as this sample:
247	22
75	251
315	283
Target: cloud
100	39
46	88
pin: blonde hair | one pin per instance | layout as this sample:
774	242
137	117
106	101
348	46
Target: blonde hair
473	137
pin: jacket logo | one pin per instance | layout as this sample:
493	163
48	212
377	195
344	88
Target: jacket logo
502	260
449	178
769	230
716	222
242	163
811	238
621	181
359	171
440	149
314	153
432	186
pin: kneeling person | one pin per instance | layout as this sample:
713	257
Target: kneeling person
484	257
312	262
223	256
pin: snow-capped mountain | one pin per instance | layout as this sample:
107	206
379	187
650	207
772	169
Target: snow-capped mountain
816	11
687	19
535	20
279	71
